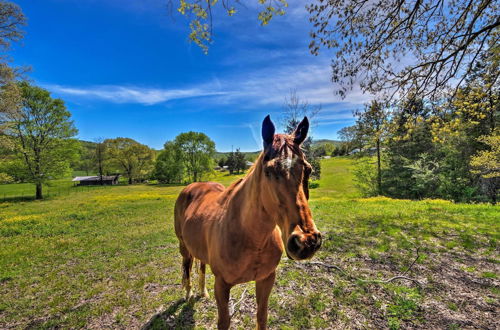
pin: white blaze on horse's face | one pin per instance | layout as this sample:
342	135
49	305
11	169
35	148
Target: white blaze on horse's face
287	163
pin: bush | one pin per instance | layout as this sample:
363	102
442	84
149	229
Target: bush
5	178
313	184
365	176
316	168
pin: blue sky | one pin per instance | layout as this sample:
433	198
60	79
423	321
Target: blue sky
126	68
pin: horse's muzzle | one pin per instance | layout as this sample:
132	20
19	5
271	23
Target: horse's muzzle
303	246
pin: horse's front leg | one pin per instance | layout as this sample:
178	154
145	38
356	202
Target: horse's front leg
263	290
222	290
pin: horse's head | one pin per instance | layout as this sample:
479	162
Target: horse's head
285	190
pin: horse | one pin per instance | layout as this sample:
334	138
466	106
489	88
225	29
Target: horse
242	231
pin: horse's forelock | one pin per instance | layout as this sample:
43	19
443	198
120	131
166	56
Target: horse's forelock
283	147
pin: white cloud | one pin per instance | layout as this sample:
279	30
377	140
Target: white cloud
126	94
261	87
271	86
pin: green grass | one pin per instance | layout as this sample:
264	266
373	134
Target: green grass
336	179
108	258
64	186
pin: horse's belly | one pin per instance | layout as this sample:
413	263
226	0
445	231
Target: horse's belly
195	239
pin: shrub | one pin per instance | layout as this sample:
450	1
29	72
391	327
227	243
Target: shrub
365	176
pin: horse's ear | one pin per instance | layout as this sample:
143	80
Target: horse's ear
267	131
300	133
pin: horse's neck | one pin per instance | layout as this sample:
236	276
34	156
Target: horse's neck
247	210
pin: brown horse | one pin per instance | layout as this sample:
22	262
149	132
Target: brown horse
242	231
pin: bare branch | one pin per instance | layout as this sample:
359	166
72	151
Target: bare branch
233	307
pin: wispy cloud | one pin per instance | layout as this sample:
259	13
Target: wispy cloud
125	94
270	86
247	89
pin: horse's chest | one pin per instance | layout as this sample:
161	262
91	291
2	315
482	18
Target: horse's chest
249	264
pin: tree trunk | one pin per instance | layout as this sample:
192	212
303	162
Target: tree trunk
130	180
379	173
100	174
39	194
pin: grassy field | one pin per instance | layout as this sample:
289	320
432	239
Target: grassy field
108	258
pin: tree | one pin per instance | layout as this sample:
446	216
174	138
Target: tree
409	141
371	38
201	19
86	158
241	162
100	157
487	163
197	152
371	125
41	135
294	109
222	162
348	137
11	20
236	161
169	167
461	128
231	162
133	158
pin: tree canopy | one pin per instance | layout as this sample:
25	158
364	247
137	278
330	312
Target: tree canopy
11	21
40	135
197	152
135	160
169	167
236	161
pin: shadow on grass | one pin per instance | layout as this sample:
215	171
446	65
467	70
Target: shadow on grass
17	199
163	185
171	319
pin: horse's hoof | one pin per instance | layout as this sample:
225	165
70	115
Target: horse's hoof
205	294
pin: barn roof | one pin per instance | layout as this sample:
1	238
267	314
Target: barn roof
94	178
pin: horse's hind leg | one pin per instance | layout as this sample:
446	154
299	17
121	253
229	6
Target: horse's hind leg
187	263
201	279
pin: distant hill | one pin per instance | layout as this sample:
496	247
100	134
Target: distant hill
249	155
319	142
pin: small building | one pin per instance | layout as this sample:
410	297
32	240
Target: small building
248	163
96	180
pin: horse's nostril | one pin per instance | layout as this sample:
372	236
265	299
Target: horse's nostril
319	240
294	244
